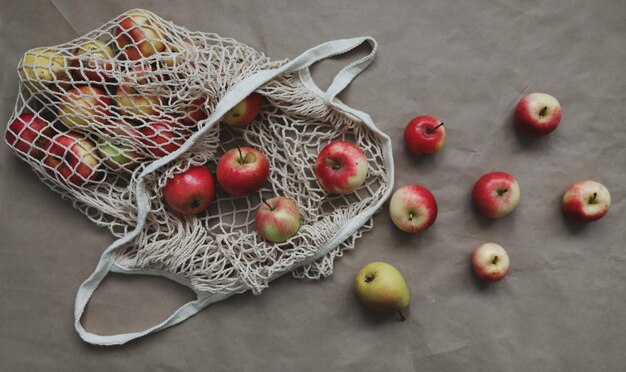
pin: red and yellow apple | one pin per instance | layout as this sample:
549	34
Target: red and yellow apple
191	191
245	111
71	158
490	262
93	61
29	135
84	107
341	167
194	112
538	114
160	138
132	103
278	219
586	201
413	208
242	171
496	194
140	34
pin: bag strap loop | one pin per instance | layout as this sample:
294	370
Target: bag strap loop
232	98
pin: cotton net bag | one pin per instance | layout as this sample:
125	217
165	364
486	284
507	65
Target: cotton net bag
106	119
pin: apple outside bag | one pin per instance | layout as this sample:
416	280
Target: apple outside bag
170	94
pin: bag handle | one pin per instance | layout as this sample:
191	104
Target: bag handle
230	99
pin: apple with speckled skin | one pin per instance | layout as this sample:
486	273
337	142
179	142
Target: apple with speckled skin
140	34
41	67
72	157
278	219
341	167
424	135
242	171
244	112
29	135
191	191
586	201
132	103
538	114
490	262
413	208
496	194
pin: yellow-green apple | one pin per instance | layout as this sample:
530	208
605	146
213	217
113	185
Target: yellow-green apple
490	262
278	219
191	191
41	66
538	114
413	208
496	194
341	167
71	157
194	112
84	107
160	138
242	171
139	34
118	155
245	111
381	287
93	61
586	201
424	135
29	135
132	103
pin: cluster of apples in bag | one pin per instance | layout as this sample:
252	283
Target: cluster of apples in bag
113	103
100	106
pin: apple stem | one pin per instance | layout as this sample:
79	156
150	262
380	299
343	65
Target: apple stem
268	204
502	191
593	198
495	260
411	215
240	155
543	111
402	318
432	130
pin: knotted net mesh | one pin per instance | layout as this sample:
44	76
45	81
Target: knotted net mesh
92	113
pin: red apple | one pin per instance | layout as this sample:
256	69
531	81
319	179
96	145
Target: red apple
496	194
586	201
29	135
341	167
245	111
93	61
490	262
84	107
413	208
538	114
278	219
140	34
194	112
191	191
424	135
242	171
72	158
161	139
133	104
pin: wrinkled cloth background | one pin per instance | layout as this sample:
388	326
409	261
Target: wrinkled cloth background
563	305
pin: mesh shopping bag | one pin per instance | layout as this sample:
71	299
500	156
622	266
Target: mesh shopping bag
107	119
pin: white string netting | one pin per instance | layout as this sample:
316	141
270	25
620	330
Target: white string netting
110	107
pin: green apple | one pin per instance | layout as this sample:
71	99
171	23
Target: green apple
381	287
